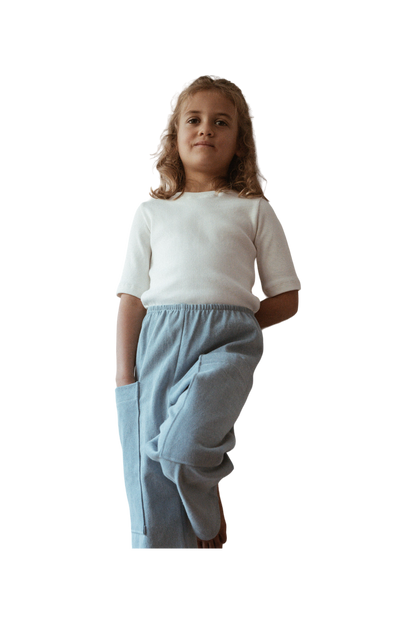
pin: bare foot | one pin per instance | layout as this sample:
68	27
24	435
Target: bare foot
221	538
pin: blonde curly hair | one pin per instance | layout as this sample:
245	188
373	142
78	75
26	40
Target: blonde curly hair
243	172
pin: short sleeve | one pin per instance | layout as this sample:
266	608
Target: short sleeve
274	261
135	278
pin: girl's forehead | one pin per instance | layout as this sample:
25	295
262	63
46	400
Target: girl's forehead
204	98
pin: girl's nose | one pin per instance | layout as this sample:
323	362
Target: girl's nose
205	128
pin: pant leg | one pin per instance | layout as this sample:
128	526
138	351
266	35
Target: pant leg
193	442
167	524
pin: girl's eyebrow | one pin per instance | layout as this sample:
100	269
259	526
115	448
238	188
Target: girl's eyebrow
195	112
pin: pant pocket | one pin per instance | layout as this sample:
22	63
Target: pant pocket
199	430
128	410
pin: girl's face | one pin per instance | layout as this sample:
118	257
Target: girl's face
211	118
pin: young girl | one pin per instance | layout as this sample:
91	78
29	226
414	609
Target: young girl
189	329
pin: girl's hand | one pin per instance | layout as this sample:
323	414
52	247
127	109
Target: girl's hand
125	381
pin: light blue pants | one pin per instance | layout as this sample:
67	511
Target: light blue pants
195	365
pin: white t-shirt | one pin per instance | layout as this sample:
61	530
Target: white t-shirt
201	248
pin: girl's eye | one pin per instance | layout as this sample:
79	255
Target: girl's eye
190	121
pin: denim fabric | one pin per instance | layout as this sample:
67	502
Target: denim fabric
195	365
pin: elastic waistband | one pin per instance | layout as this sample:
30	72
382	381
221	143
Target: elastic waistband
197	307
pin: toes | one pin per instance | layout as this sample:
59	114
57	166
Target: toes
216	542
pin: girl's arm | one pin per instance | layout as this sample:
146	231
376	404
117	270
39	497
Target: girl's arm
277	309
129	322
